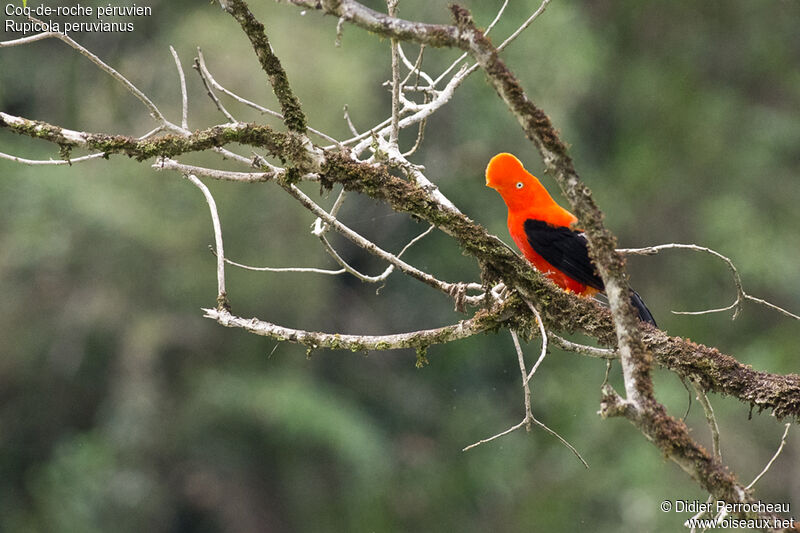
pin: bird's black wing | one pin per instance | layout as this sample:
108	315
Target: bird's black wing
565	249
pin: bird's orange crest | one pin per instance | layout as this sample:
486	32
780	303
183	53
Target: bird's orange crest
502	167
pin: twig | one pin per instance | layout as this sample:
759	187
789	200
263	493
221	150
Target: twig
222	298
493	437
523	26
769	464
301	270
350	124
525	379
154	111
710	419
224	175
365	243
583	349
464	55
529	418
184	97
383	129
200	67
741	295
50	162
543	333
261	109
413	68
350	270
395	130
27	40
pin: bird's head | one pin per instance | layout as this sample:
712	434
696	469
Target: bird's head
518	187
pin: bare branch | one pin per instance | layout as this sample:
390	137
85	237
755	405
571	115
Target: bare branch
208	81
395	129
525	378
769	464
464	55
512	429
49	162
27	40
741	295
583	349
184	97
523	26
154	111
416	68
529	418
543	333
222	297
300	270
702	397
224	175
367	244
350	124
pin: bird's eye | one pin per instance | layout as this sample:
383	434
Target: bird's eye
519	185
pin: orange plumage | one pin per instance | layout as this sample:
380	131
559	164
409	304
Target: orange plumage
543	231
526	198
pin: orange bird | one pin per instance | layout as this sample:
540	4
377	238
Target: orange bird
542	230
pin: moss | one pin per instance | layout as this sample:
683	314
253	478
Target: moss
65	152
422	357
293	115
223	303
462	17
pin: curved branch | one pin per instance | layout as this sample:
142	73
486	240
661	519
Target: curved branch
482	321
284	145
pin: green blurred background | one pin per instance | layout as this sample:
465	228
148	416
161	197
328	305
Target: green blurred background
122	409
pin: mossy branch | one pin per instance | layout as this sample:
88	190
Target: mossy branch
282	145
293	115
561	312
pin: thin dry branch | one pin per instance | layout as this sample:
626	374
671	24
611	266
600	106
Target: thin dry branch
154	111
222	297
366	244
741	295
297	270
772	460
208	79
184	96
529	418
165	163
711	419
482	321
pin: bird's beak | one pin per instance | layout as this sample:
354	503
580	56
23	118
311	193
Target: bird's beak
489	182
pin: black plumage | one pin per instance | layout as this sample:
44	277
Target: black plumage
568	251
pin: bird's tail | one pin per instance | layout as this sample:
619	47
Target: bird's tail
644	312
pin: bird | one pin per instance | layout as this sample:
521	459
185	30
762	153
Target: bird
543	231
